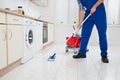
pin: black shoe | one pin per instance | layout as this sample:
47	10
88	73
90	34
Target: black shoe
105	59
79	56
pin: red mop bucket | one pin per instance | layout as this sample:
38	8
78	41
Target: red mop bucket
73	42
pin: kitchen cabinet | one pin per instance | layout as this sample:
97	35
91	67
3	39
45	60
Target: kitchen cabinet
11	39
50	32
15	43
15	32
3	55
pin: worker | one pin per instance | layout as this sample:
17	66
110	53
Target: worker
98	17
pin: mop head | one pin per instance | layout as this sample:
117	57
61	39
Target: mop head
52	57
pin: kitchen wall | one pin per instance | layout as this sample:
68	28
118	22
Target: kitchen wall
61	9
66	11
113	8
44	13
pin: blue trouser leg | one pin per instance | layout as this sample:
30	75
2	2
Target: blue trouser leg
85	35
100	22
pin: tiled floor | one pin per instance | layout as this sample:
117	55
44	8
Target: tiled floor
66	68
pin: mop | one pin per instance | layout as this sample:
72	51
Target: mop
52	57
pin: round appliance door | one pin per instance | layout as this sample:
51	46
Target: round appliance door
29	38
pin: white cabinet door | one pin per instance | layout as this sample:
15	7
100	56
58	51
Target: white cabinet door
3	56
15	43
50	32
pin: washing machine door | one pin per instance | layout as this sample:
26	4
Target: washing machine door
29	38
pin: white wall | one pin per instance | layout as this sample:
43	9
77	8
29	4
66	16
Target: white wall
66	11
62	11
45	13
112	36
113	11
61	32
73	11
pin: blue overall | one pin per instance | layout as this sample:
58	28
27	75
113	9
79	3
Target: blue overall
99	19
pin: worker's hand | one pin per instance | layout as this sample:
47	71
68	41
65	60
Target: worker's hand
93	9
79	25
78	28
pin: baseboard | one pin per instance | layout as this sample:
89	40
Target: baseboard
9	68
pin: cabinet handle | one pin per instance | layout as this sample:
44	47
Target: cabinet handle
10	34
4	35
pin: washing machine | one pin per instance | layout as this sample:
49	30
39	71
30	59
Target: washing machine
31	39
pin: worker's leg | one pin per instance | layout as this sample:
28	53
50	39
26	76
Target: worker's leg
101	25
85	35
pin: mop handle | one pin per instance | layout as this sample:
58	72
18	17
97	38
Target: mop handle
81	24
85	19
77	30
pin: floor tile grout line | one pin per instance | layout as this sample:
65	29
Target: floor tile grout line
77	70
95	67
58	68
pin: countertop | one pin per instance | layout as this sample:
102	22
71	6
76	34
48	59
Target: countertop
10	12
